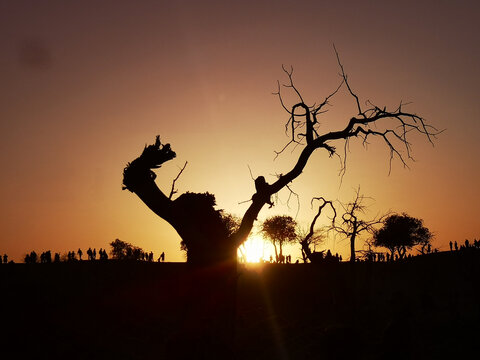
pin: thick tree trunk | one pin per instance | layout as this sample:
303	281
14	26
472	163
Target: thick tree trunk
207	311
352	246
207	300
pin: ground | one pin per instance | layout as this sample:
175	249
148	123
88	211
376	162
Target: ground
425	307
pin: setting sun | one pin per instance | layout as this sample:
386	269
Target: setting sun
254	250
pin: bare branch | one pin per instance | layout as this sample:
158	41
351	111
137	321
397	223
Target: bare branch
173	191
325	102
291	84
289	197
393	127
345	79
250	170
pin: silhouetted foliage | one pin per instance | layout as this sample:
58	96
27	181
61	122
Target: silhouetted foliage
280	229
400	233
122	250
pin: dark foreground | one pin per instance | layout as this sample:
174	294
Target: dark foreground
427	307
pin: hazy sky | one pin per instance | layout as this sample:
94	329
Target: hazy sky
85	84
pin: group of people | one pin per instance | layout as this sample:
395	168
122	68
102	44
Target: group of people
4	258
466	245
46	257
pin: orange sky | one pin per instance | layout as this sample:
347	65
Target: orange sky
83	88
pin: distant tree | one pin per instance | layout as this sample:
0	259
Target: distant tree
279	229
353	224
312	236
122	250
400	233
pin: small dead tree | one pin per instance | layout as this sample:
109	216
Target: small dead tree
353	225
313	236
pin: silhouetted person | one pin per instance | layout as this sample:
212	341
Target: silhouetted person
429	248
80	253
467	243
5	258
1	259
451	246
456	246
89	253
56	258
162	257
329	255
70	256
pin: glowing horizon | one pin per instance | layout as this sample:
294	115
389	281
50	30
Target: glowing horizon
83	91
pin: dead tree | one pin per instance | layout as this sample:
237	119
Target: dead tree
199	224
353	225
312	235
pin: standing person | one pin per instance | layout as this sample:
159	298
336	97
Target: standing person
162	257
451	246
80	253
456	246
94	254
5	258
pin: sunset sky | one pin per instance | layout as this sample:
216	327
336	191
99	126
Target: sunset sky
85	85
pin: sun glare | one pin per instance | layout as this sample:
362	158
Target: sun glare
253	250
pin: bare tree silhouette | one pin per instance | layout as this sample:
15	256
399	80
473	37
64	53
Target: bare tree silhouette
313	236
352	224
